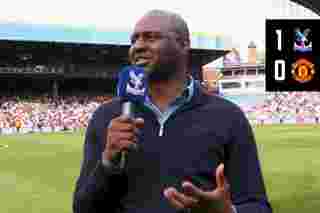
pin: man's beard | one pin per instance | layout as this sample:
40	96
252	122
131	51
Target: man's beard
163	72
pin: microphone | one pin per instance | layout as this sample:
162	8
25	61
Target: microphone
132	88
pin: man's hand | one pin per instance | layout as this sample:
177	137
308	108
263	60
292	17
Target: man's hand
121	134
215	201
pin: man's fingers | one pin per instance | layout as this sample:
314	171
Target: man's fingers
207	199
125	123
180	200
193	191
169	194
127	145
187	201
121	135
116	126
125	135
124	118
138	125
220	178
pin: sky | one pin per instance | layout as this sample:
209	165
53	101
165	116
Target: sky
243	20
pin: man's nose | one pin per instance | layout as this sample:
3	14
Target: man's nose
139	44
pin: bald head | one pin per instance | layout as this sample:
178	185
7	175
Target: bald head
174	21
160	42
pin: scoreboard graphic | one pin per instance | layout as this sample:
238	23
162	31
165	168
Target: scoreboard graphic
292	55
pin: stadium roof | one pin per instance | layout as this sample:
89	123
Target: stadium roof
92	43
91	35
313	5
85	52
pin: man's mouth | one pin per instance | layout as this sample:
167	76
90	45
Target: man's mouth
141	61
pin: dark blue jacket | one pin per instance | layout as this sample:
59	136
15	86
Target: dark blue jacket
197	138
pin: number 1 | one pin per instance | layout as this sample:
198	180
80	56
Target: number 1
279	38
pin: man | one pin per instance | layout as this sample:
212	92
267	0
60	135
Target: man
196	152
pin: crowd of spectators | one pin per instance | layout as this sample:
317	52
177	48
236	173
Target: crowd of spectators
30	69
47	114
286	107
72	113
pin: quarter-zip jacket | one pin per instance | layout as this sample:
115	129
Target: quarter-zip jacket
195	139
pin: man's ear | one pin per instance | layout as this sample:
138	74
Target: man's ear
185	44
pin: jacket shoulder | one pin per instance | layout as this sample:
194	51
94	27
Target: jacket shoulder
217	101
106	111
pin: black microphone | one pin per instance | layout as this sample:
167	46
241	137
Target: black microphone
132	89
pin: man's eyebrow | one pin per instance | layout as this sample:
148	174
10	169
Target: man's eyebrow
145	33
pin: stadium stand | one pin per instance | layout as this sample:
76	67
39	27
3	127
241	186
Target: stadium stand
47	114
282	107
55	86
72	113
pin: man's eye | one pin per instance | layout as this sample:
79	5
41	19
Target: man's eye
133	40
149	38
153	37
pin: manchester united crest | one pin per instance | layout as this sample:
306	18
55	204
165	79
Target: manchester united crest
303	70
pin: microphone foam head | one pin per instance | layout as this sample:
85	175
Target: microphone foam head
132	85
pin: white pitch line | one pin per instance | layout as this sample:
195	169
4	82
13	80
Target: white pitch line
3	146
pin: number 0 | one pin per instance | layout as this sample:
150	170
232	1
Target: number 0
279	74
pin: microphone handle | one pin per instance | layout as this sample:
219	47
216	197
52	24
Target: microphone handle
127	110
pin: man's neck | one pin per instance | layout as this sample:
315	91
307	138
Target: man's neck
162	93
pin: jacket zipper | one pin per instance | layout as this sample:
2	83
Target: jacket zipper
161	130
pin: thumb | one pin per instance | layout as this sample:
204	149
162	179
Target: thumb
139	122
220	178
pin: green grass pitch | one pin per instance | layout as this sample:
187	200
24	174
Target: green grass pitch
38	171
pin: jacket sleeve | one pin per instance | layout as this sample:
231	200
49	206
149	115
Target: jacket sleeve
243	169
98	188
